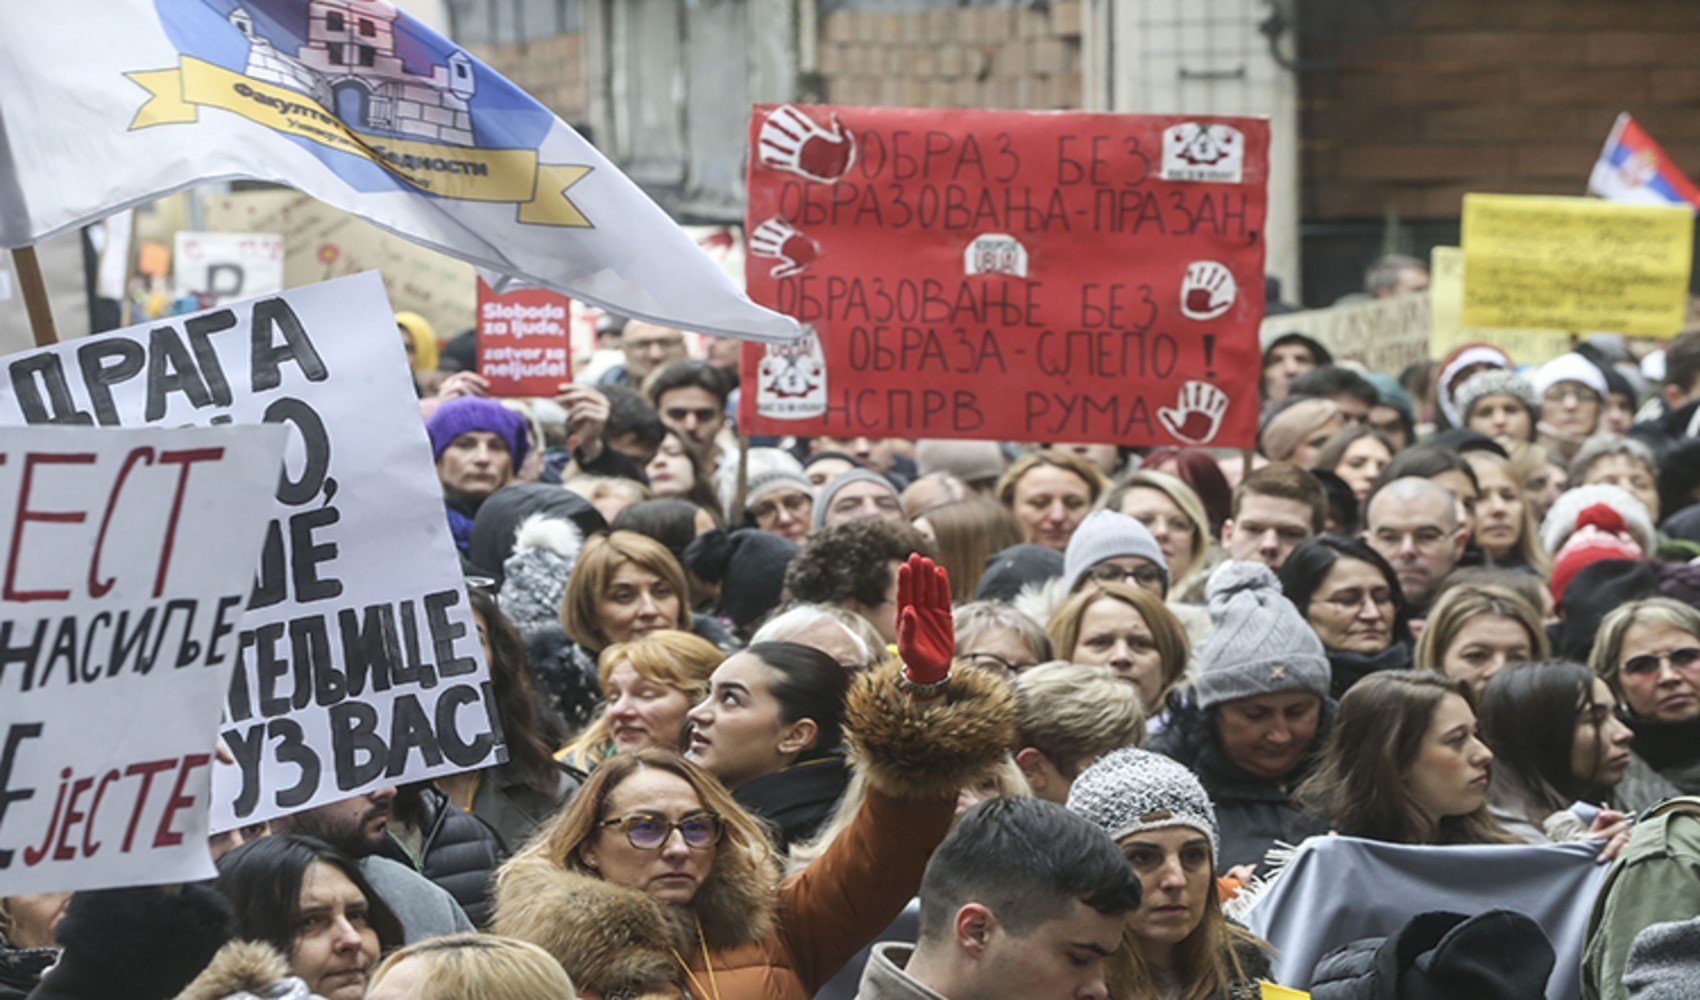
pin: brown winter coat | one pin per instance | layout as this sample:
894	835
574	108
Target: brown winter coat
753	940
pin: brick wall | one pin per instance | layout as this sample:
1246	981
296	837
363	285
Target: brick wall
1014	56
551	69
1511	96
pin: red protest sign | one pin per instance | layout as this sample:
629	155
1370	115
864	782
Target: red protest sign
522	340
1021	276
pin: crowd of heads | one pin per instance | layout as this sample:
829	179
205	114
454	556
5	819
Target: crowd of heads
1433	610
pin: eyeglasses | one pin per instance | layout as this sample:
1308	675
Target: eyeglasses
795	504
1147	576
648	832
991	660
1566	392
1648	664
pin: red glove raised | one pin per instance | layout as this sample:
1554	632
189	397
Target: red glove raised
926	637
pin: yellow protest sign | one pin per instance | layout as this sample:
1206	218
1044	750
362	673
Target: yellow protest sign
1446	315
1273	992
1579	264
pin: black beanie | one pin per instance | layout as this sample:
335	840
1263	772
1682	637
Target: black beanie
1594	592
749	564
138	943
1014	568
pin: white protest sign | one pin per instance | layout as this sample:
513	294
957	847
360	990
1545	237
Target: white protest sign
358	658
227	266
128	560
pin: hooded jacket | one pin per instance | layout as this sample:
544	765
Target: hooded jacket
750	937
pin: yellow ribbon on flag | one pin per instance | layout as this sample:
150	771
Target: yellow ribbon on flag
464	173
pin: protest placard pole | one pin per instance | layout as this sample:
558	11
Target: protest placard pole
736	513
35	296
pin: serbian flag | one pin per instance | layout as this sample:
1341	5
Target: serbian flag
105	104
1635	169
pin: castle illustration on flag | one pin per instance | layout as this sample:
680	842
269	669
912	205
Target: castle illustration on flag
379	100
349	62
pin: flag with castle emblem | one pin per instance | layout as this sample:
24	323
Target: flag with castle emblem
108	103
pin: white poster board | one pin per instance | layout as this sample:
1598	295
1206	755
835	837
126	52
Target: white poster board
127	561
358	659
227	266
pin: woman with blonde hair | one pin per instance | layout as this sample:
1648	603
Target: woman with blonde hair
650	684
1648	653
654	880
1505	526
471	965
965	534
1474	631
1127	629
622	585
1049	493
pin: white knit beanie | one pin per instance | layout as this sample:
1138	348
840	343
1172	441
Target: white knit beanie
1107	534
1561	517
1569	368
1131	791
1259	643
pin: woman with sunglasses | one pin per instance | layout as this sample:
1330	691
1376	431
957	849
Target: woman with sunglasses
654	880
1648	653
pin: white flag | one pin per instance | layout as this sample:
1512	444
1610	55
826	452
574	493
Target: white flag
108	103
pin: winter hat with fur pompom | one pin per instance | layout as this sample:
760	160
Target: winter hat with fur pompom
1600	534
1561	520
1259	643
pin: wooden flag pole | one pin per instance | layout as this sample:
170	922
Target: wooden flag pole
35	296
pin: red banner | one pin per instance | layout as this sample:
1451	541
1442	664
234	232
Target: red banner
522	340
1022	276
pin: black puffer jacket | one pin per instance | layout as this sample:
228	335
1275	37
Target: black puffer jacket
457	850
1252	812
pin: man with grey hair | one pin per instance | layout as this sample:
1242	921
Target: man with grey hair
1414	524
1395	274
822	627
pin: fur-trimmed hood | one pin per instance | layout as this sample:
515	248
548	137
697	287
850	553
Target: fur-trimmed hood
246	969
928	749
612	939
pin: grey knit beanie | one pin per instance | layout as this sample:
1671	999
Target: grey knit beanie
767	469
1259	643
1107	534
1131	790
1497	382
843	479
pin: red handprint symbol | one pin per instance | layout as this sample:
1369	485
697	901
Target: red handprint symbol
776	239
790	140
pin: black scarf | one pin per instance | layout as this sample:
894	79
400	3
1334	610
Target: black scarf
1347	668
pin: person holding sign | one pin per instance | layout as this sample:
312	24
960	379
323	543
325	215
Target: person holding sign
654	880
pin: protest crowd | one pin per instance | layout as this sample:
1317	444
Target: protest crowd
1082	701
805	638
